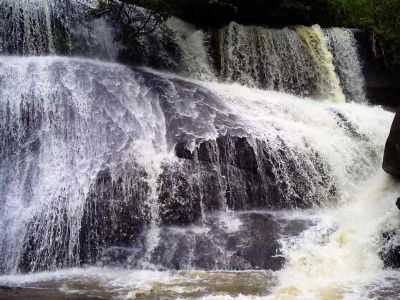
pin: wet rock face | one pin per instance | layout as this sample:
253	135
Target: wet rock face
241	173
391	158
37	257
391	250
226	242
179	197
114	214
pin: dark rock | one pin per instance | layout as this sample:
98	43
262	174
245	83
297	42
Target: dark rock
398	203
391	250
252	244
115	212
260	249
391	158
116	256
245	173
182	151
382	83
179	197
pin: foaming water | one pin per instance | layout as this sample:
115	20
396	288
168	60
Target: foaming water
67	122
341	253
353	153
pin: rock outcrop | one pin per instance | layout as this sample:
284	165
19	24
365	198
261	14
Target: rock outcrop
391	164
391	159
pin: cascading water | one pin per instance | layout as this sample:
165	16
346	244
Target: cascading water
152	186
343	46
328	82
296	60
267	58
336	265
60	118
196	62
34	27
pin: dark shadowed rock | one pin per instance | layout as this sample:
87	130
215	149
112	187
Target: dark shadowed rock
391	159
381	82
391	250
246	173
182	151
179	198
114	214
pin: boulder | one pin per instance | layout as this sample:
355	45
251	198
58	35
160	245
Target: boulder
391	158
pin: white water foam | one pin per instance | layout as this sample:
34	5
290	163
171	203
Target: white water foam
341	252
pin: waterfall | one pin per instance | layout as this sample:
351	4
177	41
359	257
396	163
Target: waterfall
68	125
61	125
328	82
196	60
273	59
343	46
29	30
216	175
303	61
295	60
42	27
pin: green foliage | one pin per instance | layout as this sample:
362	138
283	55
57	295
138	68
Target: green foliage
379	16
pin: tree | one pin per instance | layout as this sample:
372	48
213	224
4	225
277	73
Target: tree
132	16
